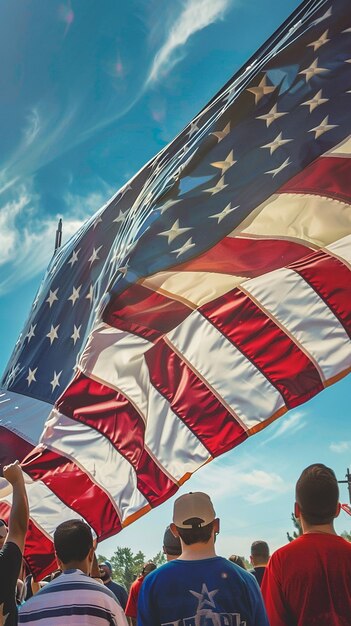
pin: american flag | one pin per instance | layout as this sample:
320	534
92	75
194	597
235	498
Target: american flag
207	298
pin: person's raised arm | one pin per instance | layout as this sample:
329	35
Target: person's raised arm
18	520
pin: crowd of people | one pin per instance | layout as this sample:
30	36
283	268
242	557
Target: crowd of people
305	583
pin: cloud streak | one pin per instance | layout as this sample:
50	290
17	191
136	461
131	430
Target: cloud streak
195	16
289	424
340	447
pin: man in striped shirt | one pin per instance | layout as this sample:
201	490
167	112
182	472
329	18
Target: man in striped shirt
74	598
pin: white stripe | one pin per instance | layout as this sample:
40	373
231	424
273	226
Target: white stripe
117	358
23	415
298	308
96	456
342	249
342	149
232	376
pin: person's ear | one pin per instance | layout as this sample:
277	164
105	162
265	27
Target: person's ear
251	560
297	511
174	530
338	509
59	562
216	525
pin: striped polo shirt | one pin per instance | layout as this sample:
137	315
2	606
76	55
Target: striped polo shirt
72	599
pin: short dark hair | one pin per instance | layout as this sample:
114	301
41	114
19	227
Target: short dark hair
260	549
196	534
73	540
317	494
238	560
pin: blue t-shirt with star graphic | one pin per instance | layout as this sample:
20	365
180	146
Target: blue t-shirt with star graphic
204	592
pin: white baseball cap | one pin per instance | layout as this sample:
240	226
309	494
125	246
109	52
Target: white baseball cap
193	506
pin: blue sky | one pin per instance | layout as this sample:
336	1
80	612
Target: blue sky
90	91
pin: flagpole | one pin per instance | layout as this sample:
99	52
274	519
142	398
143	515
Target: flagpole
58	236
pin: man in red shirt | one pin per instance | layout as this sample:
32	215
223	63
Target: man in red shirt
132	602
308	581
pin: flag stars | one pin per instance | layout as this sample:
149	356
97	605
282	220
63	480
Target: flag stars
97	221
315	102
52	297
217	188
90	294
262	89
75	294
55	382
313	70
120	217
193	129
276	143
31	376
323	39
76	333
280	168
225	165
30	334
184	248
94	256
52	335
167	205
221	134
271	116
174	231
323	127
226	211
74	257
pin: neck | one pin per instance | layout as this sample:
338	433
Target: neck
198	551
326	529
260	564
82	565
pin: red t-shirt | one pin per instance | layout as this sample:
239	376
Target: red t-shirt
308	582
132	602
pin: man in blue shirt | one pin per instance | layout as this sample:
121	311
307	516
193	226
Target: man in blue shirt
199	588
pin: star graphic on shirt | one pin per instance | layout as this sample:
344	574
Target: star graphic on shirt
174	231
31	333
220	134
315	101
205	598
55	381
31	376
313	70
220	216
226	164
322	128
184	248
319	42
75	294
52	335
280	168
262	89
276	143
74	257
52	297
272	115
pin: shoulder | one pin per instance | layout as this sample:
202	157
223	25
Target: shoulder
10	550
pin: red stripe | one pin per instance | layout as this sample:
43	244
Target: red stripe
331	279
280	360
12	446
114	417
143	312
327	176
246	257
74	487
39	549
193	401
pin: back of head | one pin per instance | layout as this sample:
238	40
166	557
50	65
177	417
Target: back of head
317	494
171	544
194	515
260	551
148	568
73	540
238	560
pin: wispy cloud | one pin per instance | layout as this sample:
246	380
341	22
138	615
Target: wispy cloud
340	447
288	424
195	16
254	485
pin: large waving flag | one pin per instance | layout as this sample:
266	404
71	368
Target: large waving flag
207	298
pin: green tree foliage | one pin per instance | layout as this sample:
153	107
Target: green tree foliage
346	535
126	566
298	530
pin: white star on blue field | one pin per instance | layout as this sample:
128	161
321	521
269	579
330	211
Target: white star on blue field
91	91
